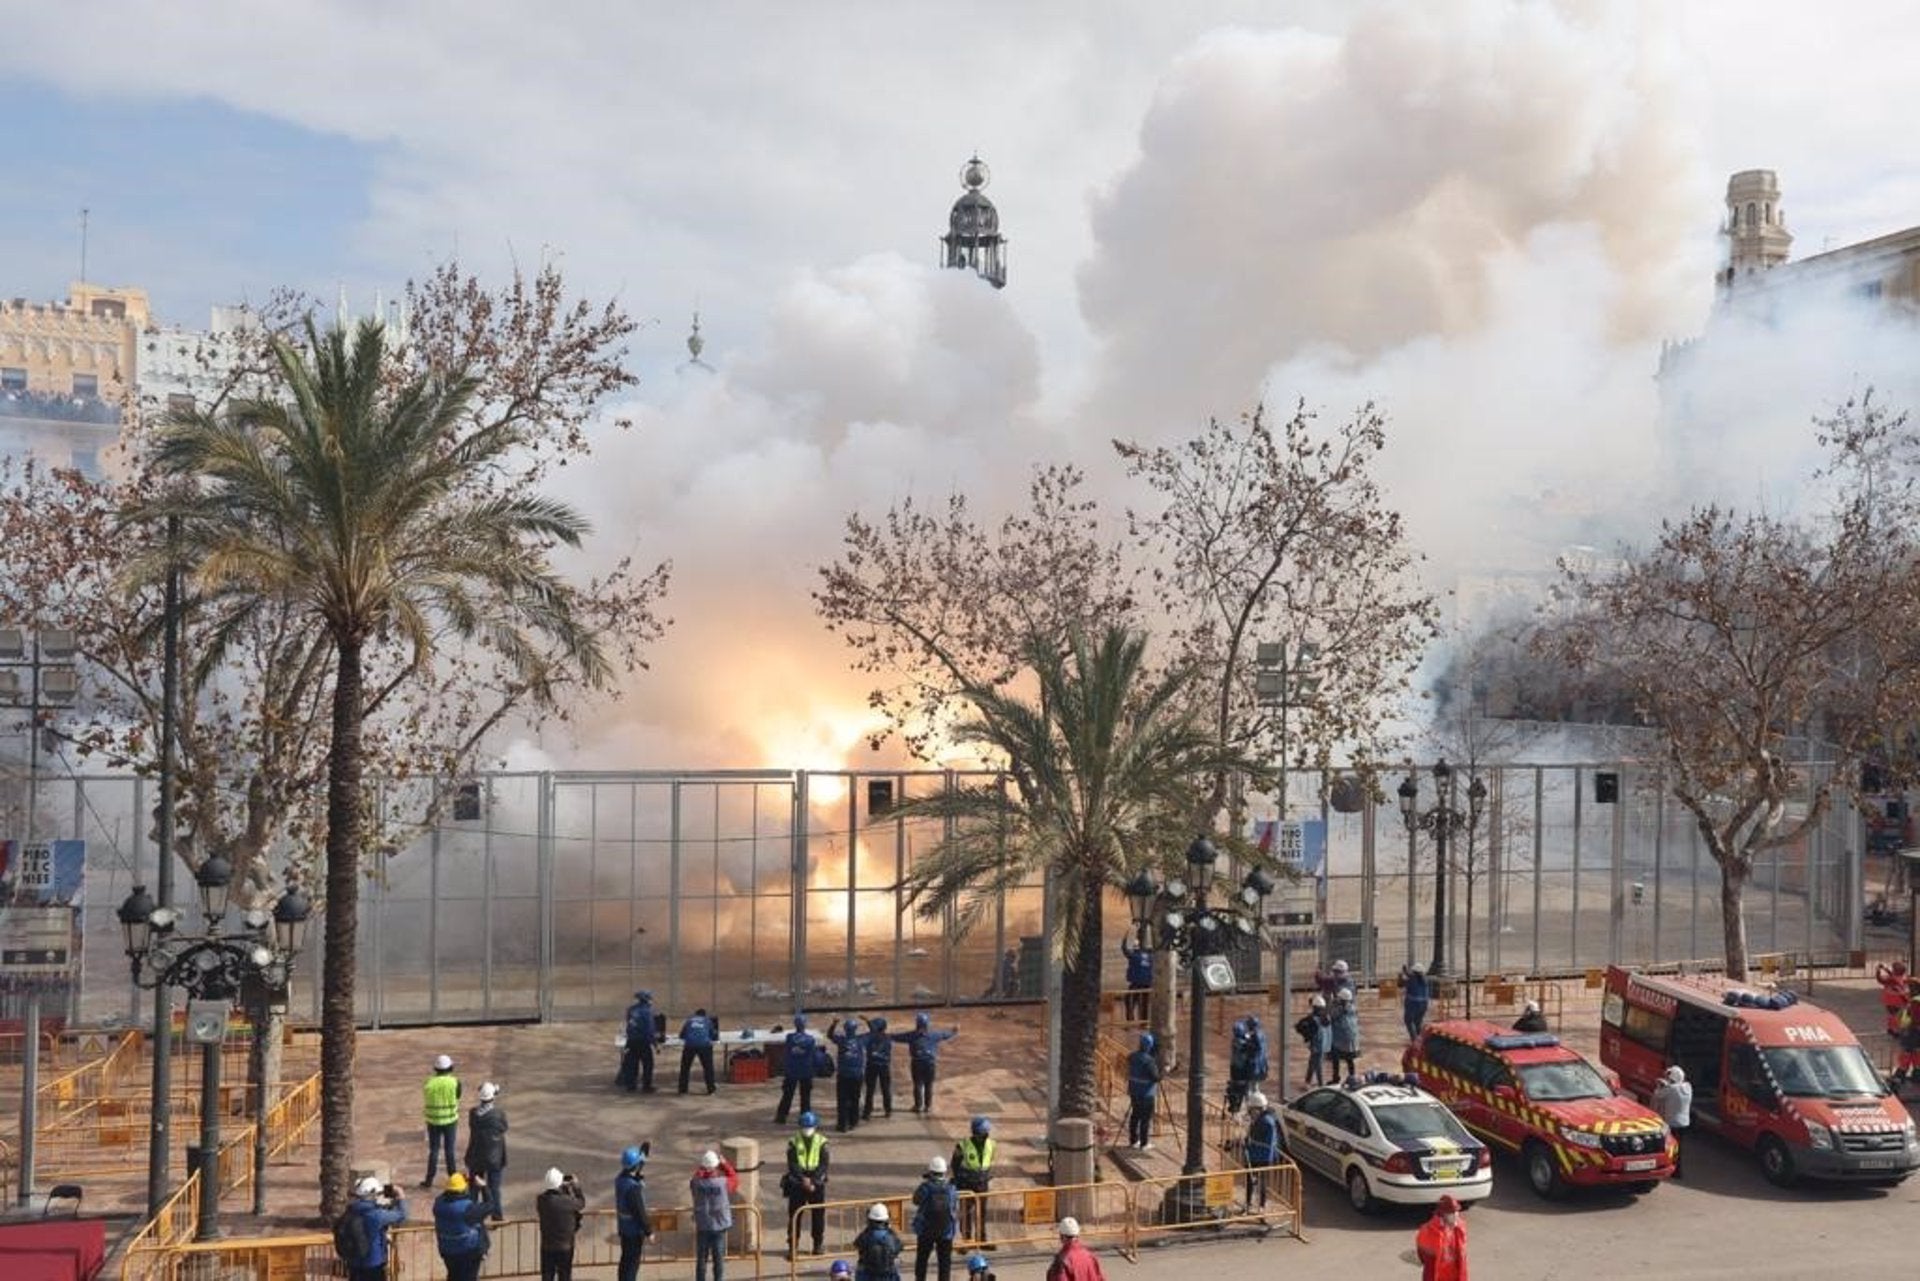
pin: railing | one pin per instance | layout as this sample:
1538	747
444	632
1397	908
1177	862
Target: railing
147	1254
514	1246
291	1119
1121	1215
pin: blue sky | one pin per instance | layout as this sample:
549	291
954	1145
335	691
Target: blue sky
197	201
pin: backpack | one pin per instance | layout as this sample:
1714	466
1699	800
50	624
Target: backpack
350	1239
878	1250
936	1209
1305	1027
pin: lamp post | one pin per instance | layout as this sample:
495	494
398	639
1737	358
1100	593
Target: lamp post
56	682
214	968
1186	924
1443	821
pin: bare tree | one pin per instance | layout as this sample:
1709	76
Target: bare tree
1735	633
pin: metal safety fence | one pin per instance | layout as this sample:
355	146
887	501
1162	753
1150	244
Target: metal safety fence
752	892
1112	1213
513	1250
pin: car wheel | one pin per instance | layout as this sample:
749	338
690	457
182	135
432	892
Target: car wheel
1359	1195
1776	1162
1542	1174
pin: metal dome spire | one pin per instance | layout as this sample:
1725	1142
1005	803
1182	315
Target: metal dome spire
973	238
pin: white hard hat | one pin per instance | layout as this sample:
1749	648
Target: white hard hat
1069	1227
876	1213
1257	1099
1345	994
709	1160
1317	1001
937	1166
488	1091
368	1186
1676	1073
555	1178
443	1064
1533	1007
1339	967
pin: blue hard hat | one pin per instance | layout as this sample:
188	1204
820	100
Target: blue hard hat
982	1126
878	1024
921	1019
976	1262
839	1269
799	1022
632	1157
808	1121
1147	1042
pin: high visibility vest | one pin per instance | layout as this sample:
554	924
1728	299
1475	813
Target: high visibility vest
806	1150
442	1092
976	1154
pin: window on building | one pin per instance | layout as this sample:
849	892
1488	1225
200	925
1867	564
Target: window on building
1750	212
1870	290
86	384
179	403
112	308
13	380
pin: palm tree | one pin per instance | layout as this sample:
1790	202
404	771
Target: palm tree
1104	776
372	504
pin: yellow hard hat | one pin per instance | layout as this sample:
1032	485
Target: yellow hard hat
456	1182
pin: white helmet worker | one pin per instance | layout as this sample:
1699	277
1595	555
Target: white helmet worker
876	1213
1069	1227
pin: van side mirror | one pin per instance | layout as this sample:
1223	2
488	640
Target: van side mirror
1612	1079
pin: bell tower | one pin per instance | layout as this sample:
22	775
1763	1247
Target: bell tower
1756	227
973	238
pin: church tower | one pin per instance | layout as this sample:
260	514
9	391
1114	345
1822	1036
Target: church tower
1756	229
973	238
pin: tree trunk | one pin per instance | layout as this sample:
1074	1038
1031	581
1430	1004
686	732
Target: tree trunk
337	980
1080	1010
1733	885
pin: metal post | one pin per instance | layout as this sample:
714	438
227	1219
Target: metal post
1441	815
1368	869
29	1088
1197	1044
1617	908
433	923
1413	911
30	1051
797	890
260	1016
1050	985
1283	1027
160	1126
674	934
1659	857
208	1228
1539	845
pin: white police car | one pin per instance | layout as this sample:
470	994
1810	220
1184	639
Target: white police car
1385	1139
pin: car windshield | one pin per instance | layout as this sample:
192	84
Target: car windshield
1417	1122
1560	1082
1832	1072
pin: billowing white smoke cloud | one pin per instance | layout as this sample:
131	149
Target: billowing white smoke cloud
1483	216
877	380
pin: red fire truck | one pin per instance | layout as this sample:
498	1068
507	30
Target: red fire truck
1770	1072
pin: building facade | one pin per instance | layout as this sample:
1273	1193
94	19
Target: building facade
67	372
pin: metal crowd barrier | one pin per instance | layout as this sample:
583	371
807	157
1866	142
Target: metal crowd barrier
1113	1213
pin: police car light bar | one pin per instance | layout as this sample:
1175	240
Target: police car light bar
1360	1080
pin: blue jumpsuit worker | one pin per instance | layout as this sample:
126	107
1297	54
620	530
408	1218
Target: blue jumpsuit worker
636	1061
377	1214
805	1182
877	1249
460	1229
1143	1087
936	1217
487	1148
1416	996
1262	1145
1139	979
696	1042
849	1071
1316	1029
973	1172
923	1057
1246	1061
630	1211
440	1108
796	1072
879	1068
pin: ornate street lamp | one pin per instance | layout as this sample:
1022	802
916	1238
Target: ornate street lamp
1185	924
214	968
1443	822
